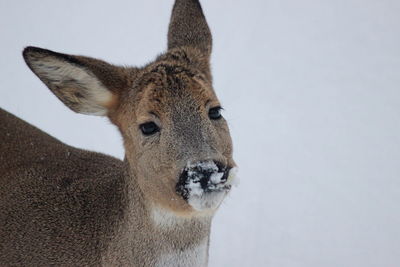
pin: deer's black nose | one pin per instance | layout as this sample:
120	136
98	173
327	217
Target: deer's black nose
205	174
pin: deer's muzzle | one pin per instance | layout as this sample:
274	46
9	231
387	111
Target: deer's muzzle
204	181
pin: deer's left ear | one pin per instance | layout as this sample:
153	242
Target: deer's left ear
85	85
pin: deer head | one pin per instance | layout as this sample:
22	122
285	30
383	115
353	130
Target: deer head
177	143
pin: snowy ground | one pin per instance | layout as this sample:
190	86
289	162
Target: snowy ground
312	93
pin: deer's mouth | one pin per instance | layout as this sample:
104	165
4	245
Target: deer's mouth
204	184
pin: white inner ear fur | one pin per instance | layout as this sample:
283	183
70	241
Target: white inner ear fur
73	79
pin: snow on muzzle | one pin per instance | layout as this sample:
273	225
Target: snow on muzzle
204	184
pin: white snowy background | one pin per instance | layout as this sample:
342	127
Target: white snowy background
311	89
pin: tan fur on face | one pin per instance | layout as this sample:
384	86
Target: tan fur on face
158	160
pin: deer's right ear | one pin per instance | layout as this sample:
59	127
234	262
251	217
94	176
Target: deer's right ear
85	85
188	27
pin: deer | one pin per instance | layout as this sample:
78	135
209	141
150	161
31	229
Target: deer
65	206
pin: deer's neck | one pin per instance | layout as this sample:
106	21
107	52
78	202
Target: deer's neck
154	236
184	241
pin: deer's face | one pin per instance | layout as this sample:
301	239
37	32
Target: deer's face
177	143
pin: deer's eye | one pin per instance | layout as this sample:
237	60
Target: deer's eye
149	128
215	113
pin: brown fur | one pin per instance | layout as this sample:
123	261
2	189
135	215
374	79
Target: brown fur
61	205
